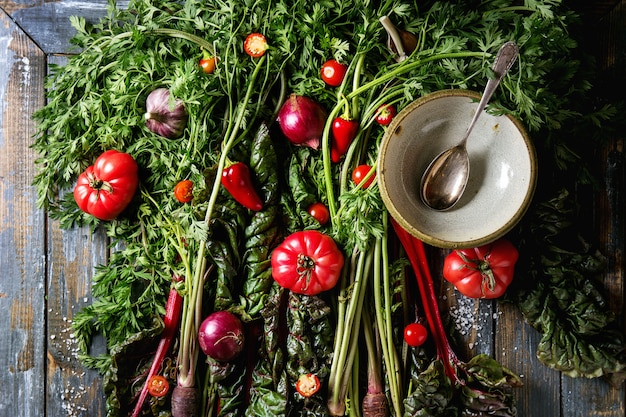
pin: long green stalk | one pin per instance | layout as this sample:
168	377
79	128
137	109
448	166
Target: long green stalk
345	351
384	305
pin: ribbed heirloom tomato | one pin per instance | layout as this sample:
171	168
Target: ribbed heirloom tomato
307	262
482	272
108	186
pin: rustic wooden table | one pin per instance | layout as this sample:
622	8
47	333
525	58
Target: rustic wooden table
46	272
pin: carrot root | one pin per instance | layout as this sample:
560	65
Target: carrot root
185	402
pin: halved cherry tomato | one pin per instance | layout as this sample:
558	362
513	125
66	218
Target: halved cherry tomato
255	45
415	334
385	114
158	386
333	72
307	385
359	173
319	212
183	191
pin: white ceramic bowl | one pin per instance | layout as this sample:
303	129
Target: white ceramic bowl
503	170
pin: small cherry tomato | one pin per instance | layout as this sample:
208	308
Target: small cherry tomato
359	173
255	45
183	191
415	334
208	64
158	386
307	385
333	72
385	114
319	212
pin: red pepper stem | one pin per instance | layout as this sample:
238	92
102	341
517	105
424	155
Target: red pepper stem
417	256
346	108
170	323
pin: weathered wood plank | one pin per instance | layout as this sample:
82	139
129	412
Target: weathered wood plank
47	22
72	254
516	347
22	239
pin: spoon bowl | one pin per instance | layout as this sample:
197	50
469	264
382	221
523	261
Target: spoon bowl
500	185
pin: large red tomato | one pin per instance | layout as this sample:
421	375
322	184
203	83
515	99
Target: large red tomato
307	262
107	187
482	272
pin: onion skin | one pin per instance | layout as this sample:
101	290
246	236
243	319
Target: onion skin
302	120
221	336
162	118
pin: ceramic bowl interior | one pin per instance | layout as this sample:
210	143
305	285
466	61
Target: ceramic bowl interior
503	170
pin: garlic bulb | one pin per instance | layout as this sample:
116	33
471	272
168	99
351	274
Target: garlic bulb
163	117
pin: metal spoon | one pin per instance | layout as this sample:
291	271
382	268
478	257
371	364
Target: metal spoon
444	180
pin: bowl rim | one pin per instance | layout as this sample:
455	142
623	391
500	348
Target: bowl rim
433	240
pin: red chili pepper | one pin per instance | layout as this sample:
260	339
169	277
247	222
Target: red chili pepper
344	131
307	384
237	180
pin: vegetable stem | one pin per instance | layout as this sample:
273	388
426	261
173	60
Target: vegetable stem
383	304
344	353
417	256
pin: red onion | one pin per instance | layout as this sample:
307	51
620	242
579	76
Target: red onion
164	118
301	120
221	336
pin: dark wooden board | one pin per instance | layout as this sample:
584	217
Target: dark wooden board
46	272
22	229
47	22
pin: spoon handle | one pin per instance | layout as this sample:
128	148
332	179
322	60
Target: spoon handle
507	54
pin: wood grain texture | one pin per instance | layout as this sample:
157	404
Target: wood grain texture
22	238
46	272
47	22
